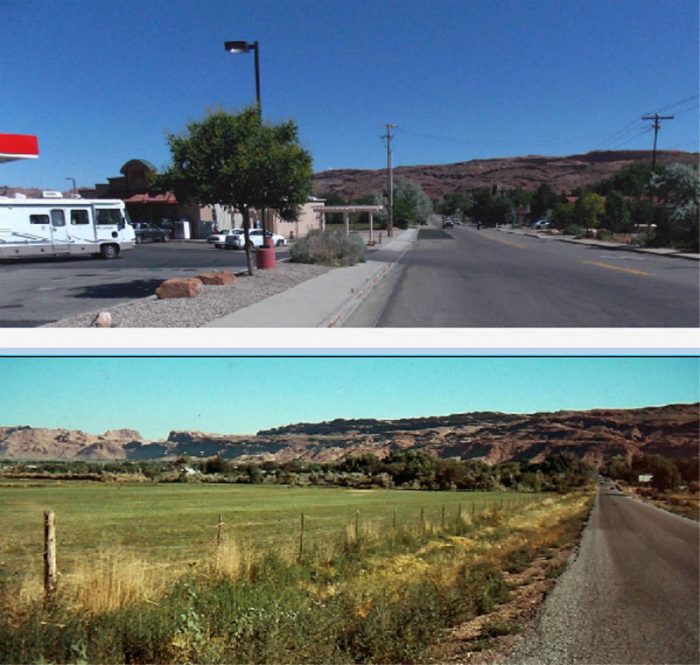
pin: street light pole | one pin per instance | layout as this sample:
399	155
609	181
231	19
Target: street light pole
75	189
245	47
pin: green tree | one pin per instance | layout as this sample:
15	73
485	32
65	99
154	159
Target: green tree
617	212
678	188
664	471
543	199
589	209
562	216
411	204
632	180
239	162
453	202
492	208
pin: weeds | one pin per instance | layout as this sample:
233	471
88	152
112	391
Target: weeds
372	596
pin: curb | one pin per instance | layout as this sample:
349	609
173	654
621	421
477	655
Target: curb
673	254
350	306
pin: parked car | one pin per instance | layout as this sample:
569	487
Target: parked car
448	224
219	239
237	241
144	231
540	224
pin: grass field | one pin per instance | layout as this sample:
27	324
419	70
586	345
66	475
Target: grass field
143	578
177	522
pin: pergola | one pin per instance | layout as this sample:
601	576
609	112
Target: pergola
346	212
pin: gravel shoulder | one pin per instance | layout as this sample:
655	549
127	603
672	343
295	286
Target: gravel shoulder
211	303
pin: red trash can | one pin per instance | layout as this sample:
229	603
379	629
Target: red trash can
265	258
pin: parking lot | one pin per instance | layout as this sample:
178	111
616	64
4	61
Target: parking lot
36	292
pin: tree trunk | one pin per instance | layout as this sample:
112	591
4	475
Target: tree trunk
246	240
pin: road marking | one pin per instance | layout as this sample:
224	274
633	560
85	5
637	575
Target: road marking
610	267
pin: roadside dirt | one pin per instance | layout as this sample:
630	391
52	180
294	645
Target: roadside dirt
488	638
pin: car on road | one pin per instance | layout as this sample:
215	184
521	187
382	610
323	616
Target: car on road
448	224
144	231
219	239
237	241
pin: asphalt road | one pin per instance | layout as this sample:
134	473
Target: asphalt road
462	277
37	291
630	596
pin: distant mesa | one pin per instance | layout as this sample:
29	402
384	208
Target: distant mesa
560	173
492	437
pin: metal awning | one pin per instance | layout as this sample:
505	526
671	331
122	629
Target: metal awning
18	146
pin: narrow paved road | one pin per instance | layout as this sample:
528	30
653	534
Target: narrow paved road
631	595
467	278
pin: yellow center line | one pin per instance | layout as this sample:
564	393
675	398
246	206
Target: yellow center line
632	271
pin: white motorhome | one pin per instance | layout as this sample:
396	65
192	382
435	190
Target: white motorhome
63	227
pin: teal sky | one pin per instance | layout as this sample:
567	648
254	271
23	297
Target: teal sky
245	394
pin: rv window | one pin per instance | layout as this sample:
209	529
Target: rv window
38	219
108	216
58	218
79	217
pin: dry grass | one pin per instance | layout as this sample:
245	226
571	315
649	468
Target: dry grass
113	580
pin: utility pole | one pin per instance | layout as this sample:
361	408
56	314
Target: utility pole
390	183
657	125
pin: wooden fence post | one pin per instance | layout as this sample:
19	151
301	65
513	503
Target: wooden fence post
219	524
50	573
301	538
442	519
422	521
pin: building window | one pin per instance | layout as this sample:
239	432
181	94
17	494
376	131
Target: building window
79	217
38	219
58	218
109	216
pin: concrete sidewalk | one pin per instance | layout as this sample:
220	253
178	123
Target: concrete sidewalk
327	300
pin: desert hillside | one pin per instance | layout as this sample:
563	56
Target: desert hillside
561	173
595	436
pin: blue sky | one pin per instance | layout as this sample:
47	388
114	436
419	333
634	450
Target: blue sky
245	394
100	81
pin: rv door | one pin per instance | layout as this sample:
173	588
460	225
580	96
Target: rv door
59	231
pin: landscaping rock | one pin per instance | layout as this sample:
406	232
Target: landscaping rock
102	320
221	278
187	287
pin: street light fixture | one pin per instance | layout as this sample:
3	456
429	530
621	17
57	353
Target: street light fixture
75	189
245	47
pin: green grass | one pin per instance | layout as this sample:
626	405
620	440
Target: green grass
384	599
172	522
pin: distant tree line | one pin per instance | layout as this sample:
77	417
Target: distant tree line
411	469
667	474
634	198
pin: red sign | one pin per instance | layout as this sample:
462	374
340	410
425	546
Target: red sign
18	146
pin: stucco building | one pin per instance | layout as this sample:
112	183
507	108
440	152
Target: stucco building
133	187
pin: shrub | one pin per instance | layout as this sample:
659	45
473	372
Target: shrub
330	248
574	230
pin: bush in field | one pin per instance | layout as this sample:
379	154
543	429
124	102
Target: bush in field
330	247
